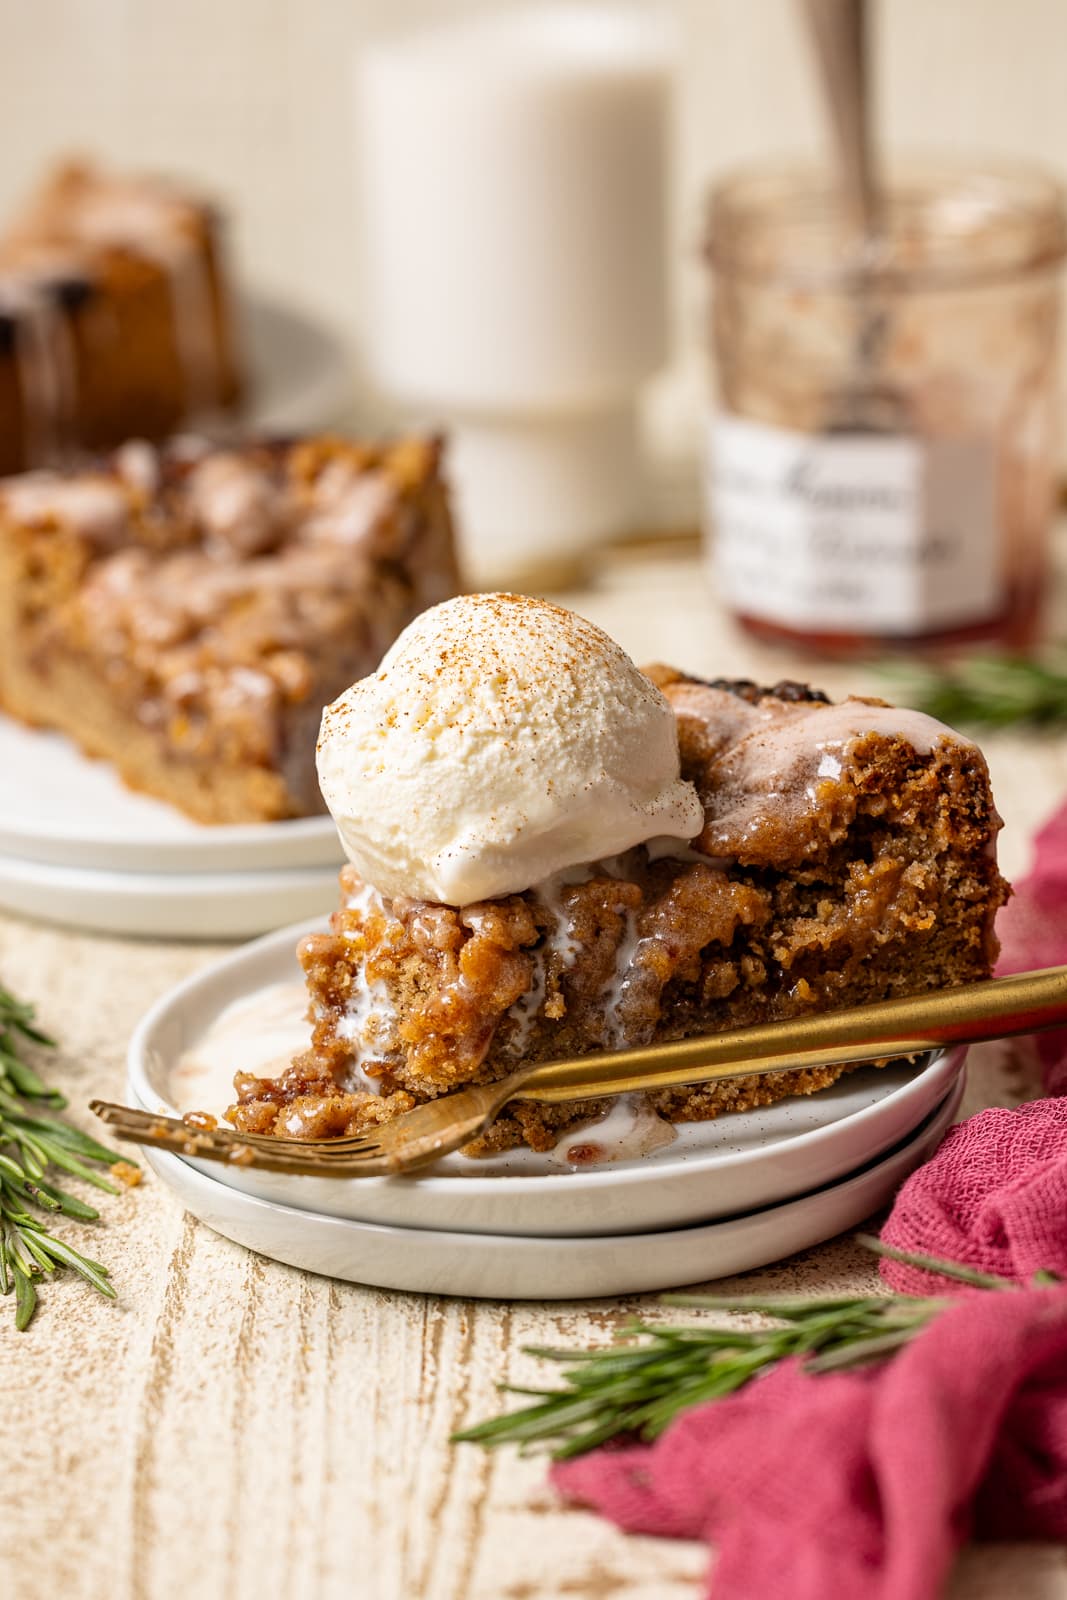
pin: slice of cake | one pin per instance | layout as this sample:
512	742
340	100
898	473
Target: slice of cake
114	316
554	854
187	614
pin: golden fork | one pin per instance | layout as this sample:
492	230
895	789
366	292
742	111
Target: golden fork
994	1009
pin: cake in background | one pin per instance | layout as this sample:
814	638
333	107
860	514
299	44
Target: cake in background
553	853
114	316
186	612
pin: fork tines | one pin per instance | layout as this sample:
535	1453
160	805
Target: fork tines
265	1151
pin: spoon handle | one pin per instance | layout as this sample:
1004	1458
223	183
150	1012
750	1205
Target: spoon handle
839	33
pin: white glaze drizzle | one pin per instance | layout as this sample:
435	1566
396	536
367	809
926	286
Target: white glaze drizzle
45	360
629	1129
780	754
370	1016
625	953
559	944
560	940
794	730
137	462
666	849
96	507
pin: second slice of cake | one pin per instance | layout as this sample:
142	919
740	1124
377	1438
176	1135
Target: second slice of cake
556	854
115	316
185	614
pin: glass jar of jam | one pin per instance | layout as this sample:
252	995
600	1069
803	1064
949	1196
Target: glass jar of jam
883	460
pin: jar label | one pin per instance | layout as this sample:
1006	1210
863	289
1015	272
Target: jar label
853	532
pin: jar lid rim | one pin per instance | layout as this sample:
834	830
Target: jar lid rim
938	211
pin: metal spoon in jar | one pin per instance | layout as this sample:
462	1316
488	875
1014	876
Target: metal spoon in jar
839	31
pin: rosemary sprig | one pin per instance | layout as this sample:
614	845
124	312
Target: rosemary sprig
33	1145
638	1385
991	690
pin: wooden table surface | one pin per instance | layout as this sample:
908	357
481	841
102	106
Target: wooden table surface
234	1428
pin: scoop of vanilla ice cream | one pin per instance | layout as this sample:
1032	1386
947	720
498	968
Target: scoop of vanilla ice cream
501	740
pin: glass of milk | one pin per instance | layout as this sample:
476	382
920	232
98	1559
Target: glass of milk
512	172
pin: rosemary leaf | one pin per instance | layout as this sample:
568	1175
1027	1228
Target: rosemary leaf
25	1299
51	1133
36	1252
62	1158
49	1196
20	1015
639	1384
946	1269
34	1144
996	691
14	1173
91	1271
25	1081
872	1349
786	1309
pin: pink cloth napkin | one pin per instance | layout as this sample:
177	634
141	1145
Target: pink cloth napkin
862	1484
1033	933
994	1196
865	1483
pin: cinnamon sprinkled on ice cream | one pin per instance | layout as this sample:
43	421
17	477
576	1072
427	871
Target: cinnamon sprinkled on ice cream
503	739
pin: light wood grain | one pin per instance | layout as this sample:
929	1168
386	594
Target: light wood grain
236	1430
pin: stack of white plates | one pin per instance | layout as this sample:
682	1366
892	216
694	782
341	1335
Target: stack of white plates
720	1198
78	847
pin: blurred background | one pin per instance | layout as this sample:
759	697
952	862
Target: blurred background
251	102
840	438
252	99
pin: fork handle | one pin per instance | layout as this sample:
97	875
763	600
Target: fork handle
996	1008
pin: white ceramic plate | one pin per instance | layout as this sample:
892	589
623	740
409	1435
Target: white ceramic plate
493	1266
301	374
735	1164
58	807
165	905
